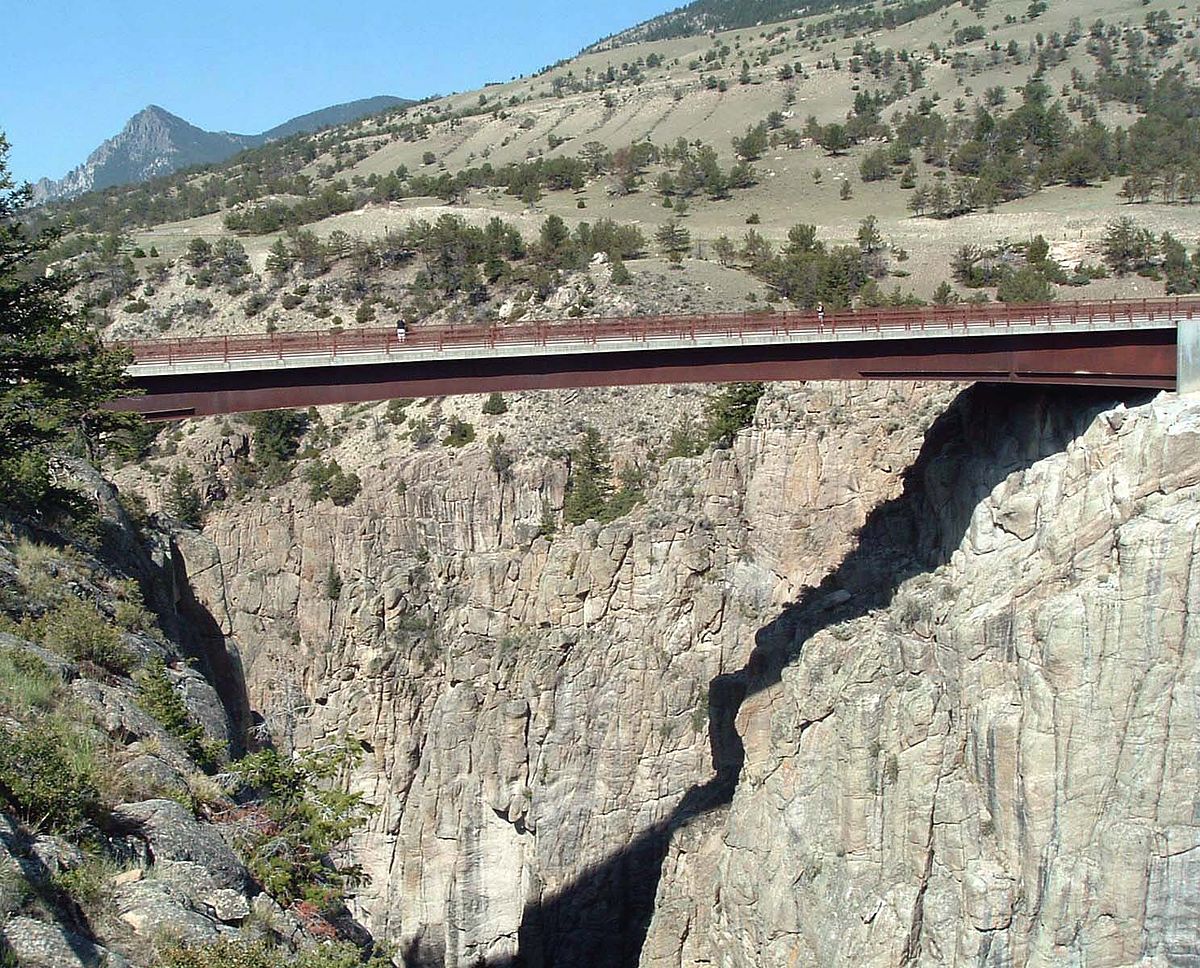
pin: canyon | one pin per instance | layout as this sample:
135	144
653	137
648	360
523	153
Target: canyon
904	676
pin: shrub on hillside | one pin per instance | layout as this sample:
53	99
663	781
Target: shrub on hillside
459	434
1026	285
158	697
77	630
495	405
242	953
394	413
328	480
48	777
298	817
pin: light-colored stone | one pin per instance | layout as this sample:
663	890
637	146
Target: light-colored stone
37	944
945	659
128	877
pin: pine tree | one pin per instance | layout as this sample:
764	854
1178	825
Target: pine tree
589	485
54	373
279	259
731	410
673	239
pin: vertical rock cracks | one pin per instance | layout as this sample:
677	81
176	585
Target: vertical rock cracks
797	709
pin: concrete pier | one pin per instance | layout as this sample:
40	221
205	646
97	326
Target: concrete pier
1187	349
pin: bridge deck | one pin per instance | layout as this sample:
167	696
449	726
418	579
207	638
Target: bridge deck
636	334
1115	343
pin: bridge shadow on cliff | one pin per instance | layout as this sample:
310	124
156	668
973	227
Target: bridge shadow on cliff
602	918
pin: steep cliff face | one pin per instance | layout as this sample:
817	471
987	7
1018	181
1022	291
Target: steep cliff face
999	767
903	676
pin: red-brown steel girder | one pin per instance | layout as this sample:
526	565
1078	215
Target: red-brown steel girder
1128	358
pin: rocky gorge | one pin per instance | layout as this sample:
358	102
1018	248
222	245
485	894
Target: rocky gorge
904	676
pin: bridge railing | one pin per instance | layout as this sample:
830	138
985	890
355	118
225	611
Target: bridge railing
599	330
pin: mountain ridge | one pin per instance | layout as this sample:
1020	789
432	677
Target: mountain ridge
701	16
156	142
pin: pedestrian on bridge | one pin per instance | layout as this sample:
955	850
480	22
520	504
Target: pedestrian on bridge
820	314
401	330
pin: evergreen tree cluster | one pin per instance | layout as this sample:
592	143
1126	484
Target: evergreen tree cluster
54	372
592	492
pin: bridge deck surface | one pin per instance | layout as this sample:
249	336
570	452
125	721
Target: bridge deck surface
363	347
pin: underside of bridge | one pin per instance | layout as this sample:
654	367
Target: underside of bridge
1127	358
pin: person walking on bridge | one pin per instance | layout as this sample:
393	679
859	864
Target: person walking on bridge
820	314
401	330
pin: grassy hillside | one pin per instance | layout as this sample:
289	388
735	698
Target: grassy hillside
951	136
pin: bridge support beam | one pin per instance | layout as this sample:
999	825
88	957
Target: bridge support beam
1131	359
1187	348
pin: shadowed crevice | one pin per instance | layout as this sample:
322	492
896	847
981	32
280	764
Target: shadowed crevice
602	918
201	634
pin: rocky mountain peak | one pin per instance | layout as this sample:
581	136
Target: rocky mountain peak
155	142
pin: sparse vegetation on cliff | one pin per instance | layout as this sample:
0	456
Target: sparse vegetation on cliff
296	816
239	953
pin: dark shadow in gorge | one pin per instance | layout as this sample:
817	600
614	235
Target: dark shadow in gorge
201	634
601	919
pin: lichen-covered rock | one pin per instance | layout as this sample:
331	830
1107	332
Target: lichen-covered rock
154	910
38	944
171	833
54	855
151	777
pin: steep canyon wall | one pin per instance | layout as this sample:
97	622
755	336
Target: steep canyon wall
904	676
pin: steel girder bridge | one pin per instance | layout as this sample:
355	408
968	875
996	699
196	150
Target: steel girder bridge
1148	343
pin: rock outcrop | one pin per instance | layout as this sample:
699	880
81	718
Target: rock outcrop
835	693
986	753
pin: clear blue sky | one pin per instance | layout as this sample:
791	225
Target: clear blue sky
75	70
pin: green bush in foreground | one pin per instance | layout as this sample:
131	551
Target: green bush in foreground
261	954
77	630
303	817
48	776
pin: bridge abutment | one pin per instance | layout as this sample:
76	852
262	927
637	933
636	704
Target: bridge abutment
1187	348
